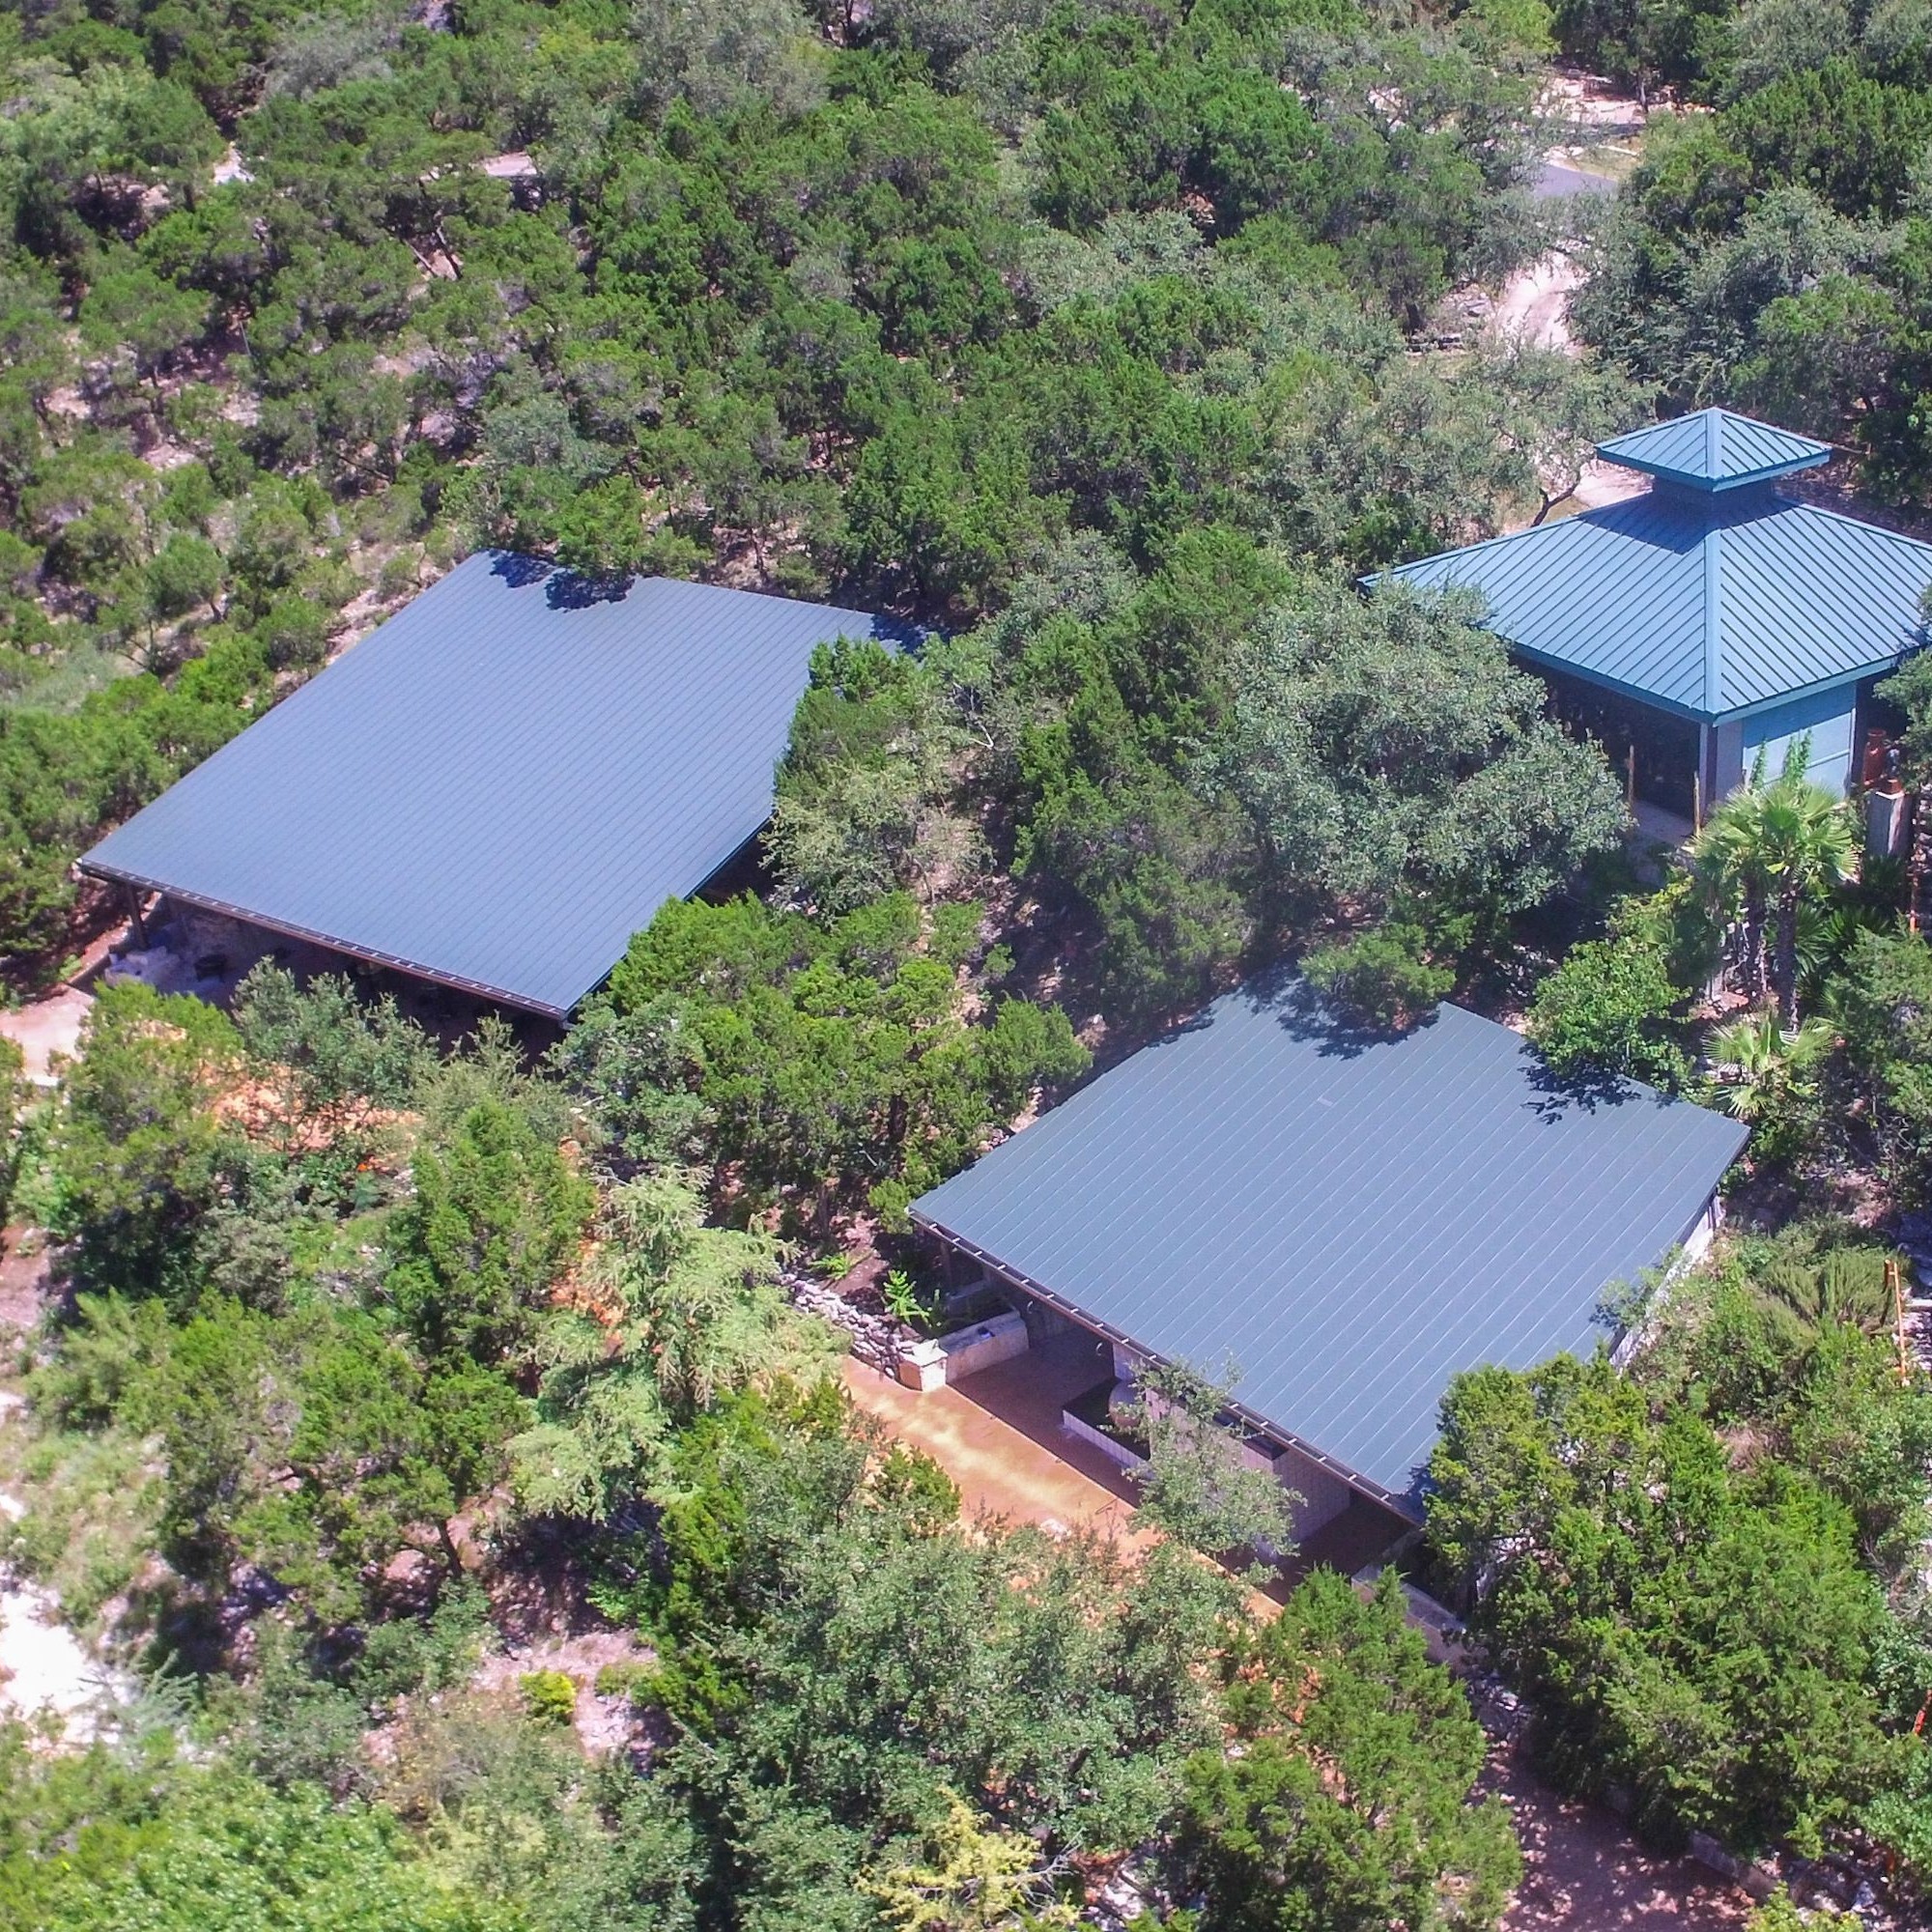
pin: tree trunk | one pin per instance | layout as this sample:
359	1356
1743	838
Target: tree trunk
1752	962
1784	967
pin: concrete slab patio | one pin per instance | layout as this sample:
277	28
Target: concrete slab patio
1001	1469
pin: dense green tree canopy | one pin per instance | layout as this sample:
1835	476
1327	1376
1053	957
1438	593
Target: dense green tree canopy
478	1353
1335	1700
876	304
1390	745
1772	256
831	1055
191	1850
1094	342
1699	1634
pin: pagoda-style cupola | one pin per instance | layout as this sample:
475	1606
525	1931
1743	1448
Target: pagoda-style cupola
1715	450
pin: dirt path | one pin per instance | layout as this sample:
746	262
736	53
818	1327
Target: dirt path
46	1671
1533	310
1583	1872
1534	306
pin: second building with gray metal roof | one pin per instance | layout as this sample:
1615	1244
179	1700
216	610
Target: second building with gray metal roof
500	784
1348	1220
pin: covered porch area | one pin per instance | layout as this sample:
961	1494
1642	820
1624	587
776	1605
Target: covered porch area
1035	1396
1664	760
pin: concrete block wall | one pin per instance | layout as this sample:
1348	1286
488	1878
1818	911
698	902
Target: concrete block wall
968	1351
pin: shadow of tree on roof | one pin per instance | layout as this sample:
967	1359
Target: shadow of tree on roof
902	636
1586	1090
564	589
1334	1029
572	590
519	570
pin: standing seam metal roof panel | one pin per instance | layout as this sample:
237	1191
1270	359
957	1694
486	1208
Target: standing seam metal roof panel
1708	604
1350	1220
501	783
1714	449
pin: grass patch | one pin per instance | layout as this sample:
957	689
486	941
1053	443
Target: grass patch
93	1505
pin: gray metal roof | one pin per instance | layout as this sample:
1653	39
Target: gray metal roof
504	782
1714	449
1351	1221
1706	604
1556	182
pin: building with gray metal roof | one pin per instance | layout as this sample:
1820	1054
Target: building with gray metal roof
1554	182
1348	1220
1712	618
1714	449
501	783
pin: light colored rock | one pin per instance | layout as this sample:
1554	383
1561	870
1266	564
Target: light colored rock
921	1365
45	1027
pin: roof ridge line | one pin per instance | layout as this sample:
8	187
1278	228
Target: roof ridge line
1713	596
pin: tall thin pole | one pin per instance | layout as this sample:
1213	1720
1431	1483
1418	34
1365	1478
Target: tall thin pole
1914	856
1895	1281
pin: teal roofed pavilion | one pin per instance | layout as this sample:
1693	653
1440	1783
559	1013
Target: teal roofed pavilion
1707	619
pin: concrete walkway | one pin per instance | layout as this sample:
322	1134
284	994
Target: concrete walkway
1000	1470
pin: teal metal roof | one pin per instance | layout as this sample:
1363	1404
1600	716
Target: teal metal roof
1350	1219
1706	604
1714	451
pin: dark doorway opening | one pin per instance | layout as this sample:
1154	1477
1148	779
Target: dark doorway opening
1655	750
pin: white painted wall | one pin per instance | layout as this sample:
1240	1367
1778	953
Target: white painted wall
968	1351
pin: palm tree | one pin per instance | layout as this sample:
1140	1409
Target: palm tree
1759	1066
1728	862
1810	848
1766	852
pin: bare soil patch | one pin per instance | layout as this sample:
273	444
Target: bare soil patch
1585	1872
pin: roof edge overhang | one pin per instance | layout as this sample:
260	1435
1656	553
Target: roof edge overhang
1403	1506
1713	486
1878	667
477	988
1696	714
1633	691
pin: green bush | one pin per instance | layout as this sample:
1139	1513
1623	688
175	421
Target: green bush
625	1680
1694	1629
1610	1010
549	1695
